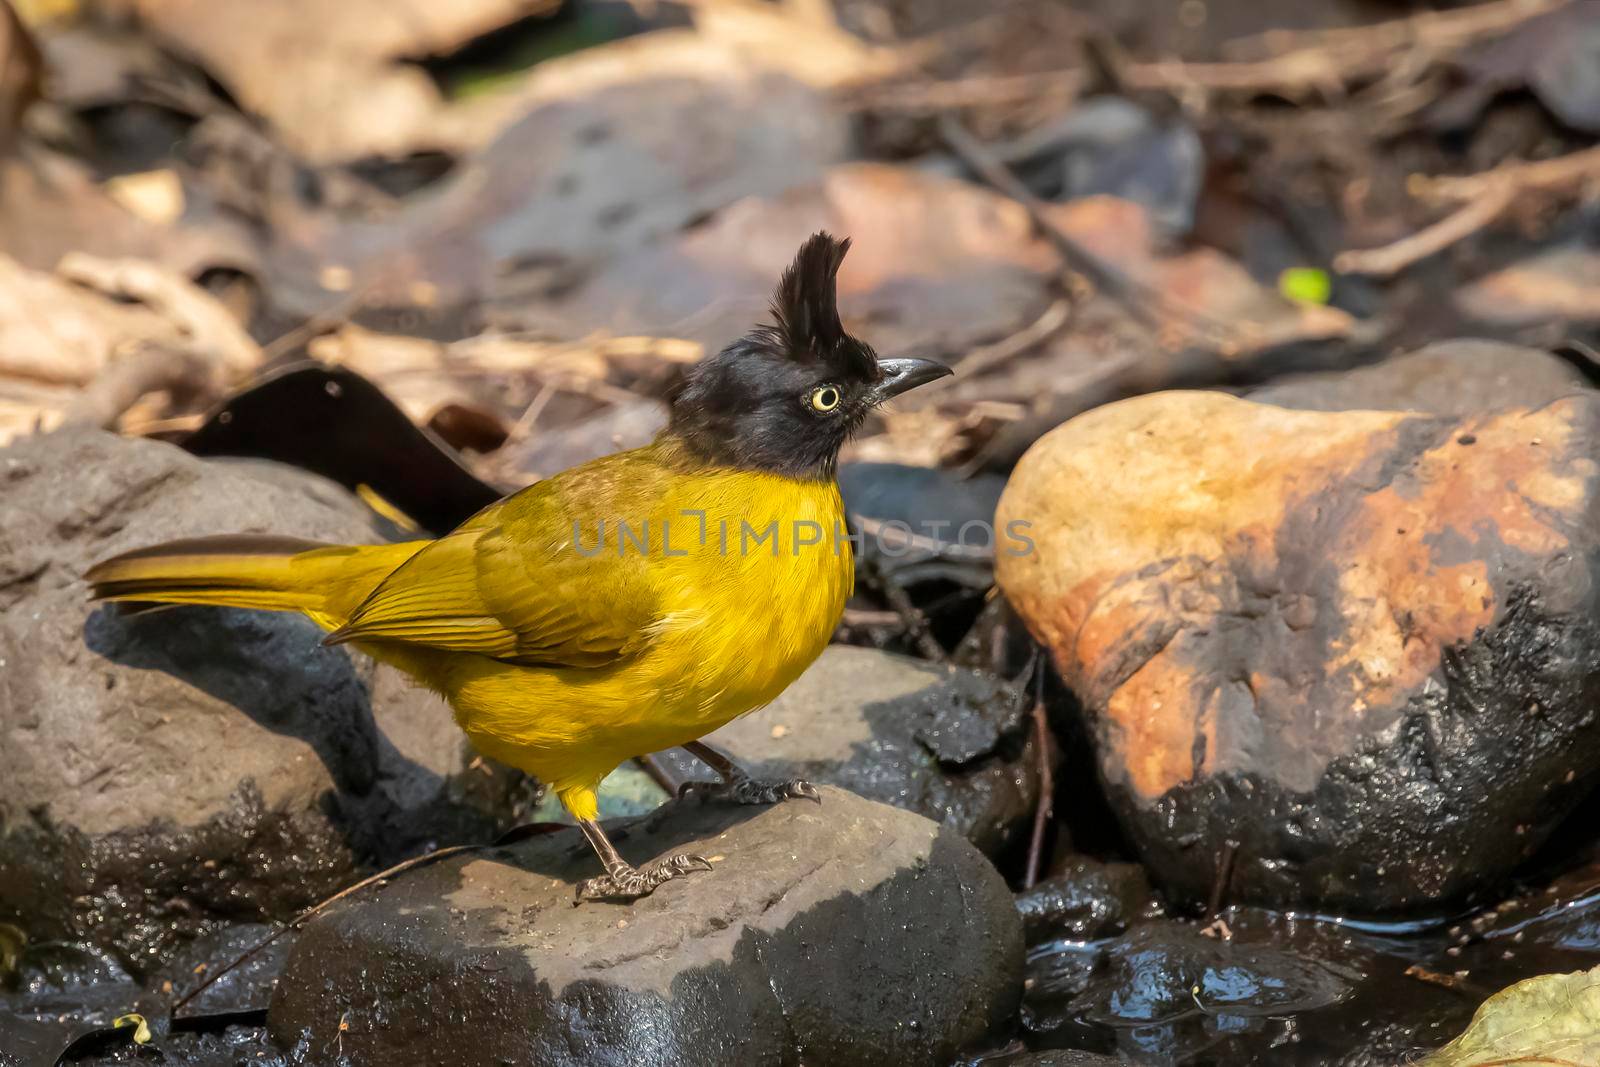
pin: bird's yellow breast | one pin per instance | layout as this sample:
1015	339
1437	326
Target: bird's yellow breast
750	573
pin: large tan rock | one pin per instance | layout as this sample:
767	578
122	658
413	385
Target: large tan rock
1360	644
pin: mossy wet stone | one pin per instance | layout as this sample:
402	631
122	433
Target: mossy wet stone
168	770
844	933
945	742
1362	645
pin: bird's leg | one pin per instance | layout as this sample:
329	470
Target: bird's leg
624	881
738	786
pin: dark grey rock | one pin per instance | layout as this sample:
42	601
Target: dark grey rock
1087	899
1454	377
948	743
840	934
167	770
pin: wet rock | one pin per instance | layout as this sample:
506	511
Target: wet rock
169	769
1054	1058
850	933
1167	991
947	743
1086	900
246	990
1361	645
1447	378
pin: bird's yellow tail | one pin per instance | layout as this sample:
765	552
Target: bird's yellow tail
326	582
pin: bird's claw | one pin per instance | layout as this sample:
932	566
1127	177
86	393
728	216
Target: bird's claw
631	883
750	791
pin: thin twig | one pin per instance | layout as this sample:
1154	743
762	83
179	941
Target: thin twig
915	623
871	617
1326	62
1487	196
1047	786
658	773
1393	258
303	917
1035	333
1545	176
1143	301
1219	888
1440	30
1452	982
892	535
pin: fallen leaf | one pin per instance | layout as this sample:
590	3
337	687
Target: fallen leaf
1551	1019
569	185
1561	284
937	265
153	195
335	81
333	422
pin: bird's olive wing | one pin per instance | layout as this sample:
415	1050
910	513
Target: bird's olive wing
514	593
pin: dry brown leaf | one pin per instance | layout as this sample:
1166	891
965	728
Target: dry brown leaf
1557	285
64	338
198	318
332	79
937	265
740	44
54	332
154	195
426	377
568	185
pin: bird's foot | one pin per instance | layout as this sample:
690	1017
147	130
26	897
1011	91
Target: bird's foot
746	790
626	882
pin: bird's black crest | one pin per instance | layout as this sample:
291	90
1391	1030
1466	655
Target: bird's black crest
747	405
806	308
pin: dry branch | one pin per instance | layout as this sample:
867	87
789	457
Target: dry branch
150	367
1287	63
1486	197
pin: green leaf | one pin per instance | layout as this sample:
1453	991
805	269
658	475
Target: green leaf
1552	1019
1305	285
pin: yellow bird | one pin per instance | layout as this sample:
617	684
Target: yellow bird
628	605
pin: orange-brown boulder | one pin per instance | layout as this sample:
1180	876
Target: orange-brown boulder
1362	645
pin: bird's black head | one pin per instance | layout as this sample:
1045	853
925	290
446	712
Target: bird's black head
785	397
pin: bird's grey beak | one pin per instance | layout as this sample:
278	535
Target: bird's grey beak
900	375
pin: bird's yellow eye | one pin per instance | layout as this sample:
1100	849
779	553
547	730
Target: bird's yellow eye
825	398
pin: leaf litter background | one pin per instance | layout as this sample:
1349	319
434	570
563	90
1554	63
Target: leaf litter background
518	219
